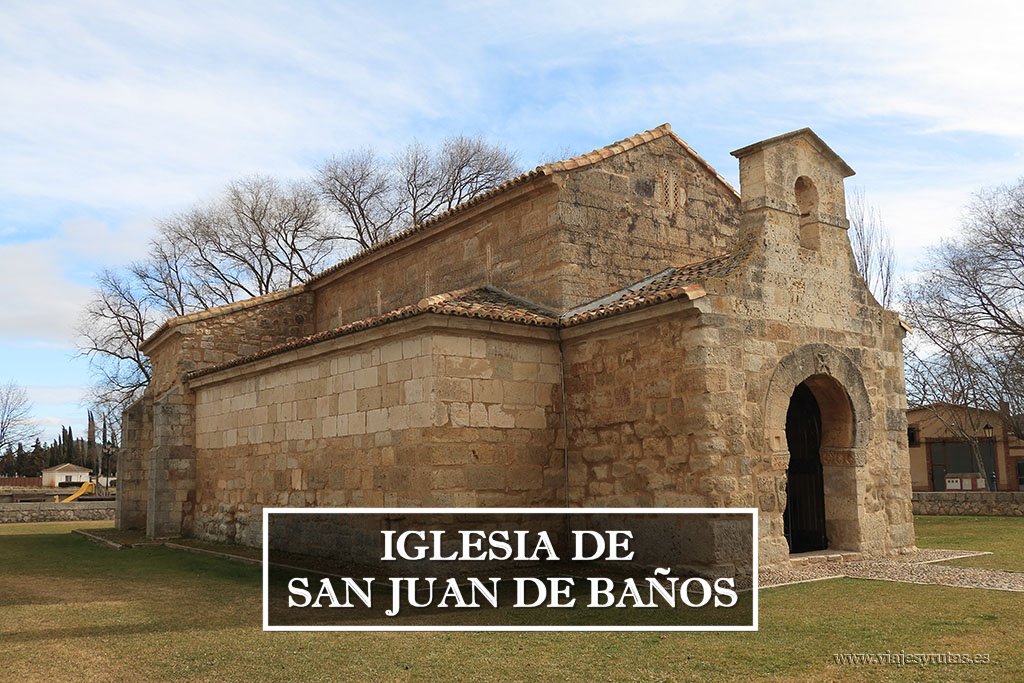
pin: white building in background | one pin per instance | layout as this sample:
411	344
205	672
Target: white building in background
66	474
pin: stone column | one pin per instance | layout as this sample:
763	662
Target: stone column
132	466
843	475
172	465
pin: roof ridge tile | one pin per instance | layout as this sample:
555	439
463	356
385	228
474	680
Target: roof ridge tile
547	169
491	303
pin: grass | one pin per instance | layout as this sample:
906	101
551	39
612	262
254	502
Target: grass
125	538
70	608
1002	536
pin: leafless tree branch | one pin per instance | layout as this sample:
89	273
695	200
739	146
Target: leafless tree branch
16	424
873	247
261	235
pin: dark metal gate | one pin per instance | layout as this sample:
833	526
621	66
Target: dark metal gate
955	457
804	518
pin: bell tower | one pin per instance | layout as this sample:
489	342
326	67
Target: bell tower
792	194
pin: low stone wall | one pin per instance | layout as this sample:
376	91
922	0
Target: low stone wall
1004	503
56	512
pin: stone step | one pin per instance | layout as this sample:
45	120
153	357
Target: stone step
823	557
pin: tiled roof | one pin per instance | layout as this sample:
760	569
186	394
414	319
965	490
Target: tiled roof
67	467
546	170
669	284
491	303
583	160
220	310
487	303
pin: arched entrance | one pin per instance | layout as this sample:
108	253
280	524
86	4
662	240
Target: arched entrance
817	420
804	516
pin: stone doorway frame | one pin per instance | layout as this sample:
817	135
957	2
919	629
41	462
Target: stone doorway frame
838	387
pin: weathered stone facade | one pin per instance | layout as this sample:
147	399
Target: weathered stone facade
12	513
618	329
982	503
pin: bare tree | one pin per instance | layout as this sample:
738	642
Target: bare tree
16	424
560	153
362	191
958	383
967	312
111	331
971	297
873	247
981	273
257	238
373	199
469	166
261	235
1010	380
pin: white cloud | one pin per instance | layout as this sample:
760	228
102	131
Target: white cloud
116	114
104	242
38	301
150	106
54	395
41	279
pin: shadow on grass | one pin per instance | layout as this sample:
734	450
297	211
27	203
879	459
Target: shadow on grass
109	631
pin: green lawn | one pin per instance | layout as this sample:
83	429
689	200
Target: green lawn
70	609
1002	536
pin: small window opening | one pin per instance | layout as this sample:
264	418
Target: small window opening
807	204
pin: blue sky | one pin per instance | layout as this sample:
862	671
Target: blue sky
113	115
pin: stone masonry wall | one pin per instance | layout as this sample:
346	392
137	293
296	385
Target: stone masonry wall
425	418
986	503
219	335
803	303
172	471
193	342
133	466
632	397
513	246
608	225
867	490
689	407
637	213
56	512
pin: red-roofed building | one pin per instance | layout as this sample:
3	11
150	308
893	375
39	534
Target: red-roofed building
618	329
65	474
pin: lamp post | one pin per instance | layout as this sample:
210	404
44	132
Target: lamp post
990	485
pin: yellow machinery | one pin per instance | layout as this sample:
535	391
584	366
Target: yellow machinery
87	487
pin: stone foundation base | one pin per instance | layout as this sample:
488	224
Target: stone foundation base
995	503
56	512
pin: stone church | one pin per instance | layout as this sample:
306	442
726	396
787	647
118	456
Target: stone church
622	328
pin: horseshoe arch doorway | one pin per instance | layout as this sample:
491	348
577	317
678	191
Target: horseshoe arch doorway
804	516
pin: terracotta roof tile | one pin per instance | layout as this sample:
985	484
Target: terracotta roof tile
220	310
491	303
487	303
546	170
671	283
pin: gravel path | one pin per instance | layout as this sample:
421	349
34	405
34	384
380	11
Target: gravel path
916	567
772	577
959	577
929	555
